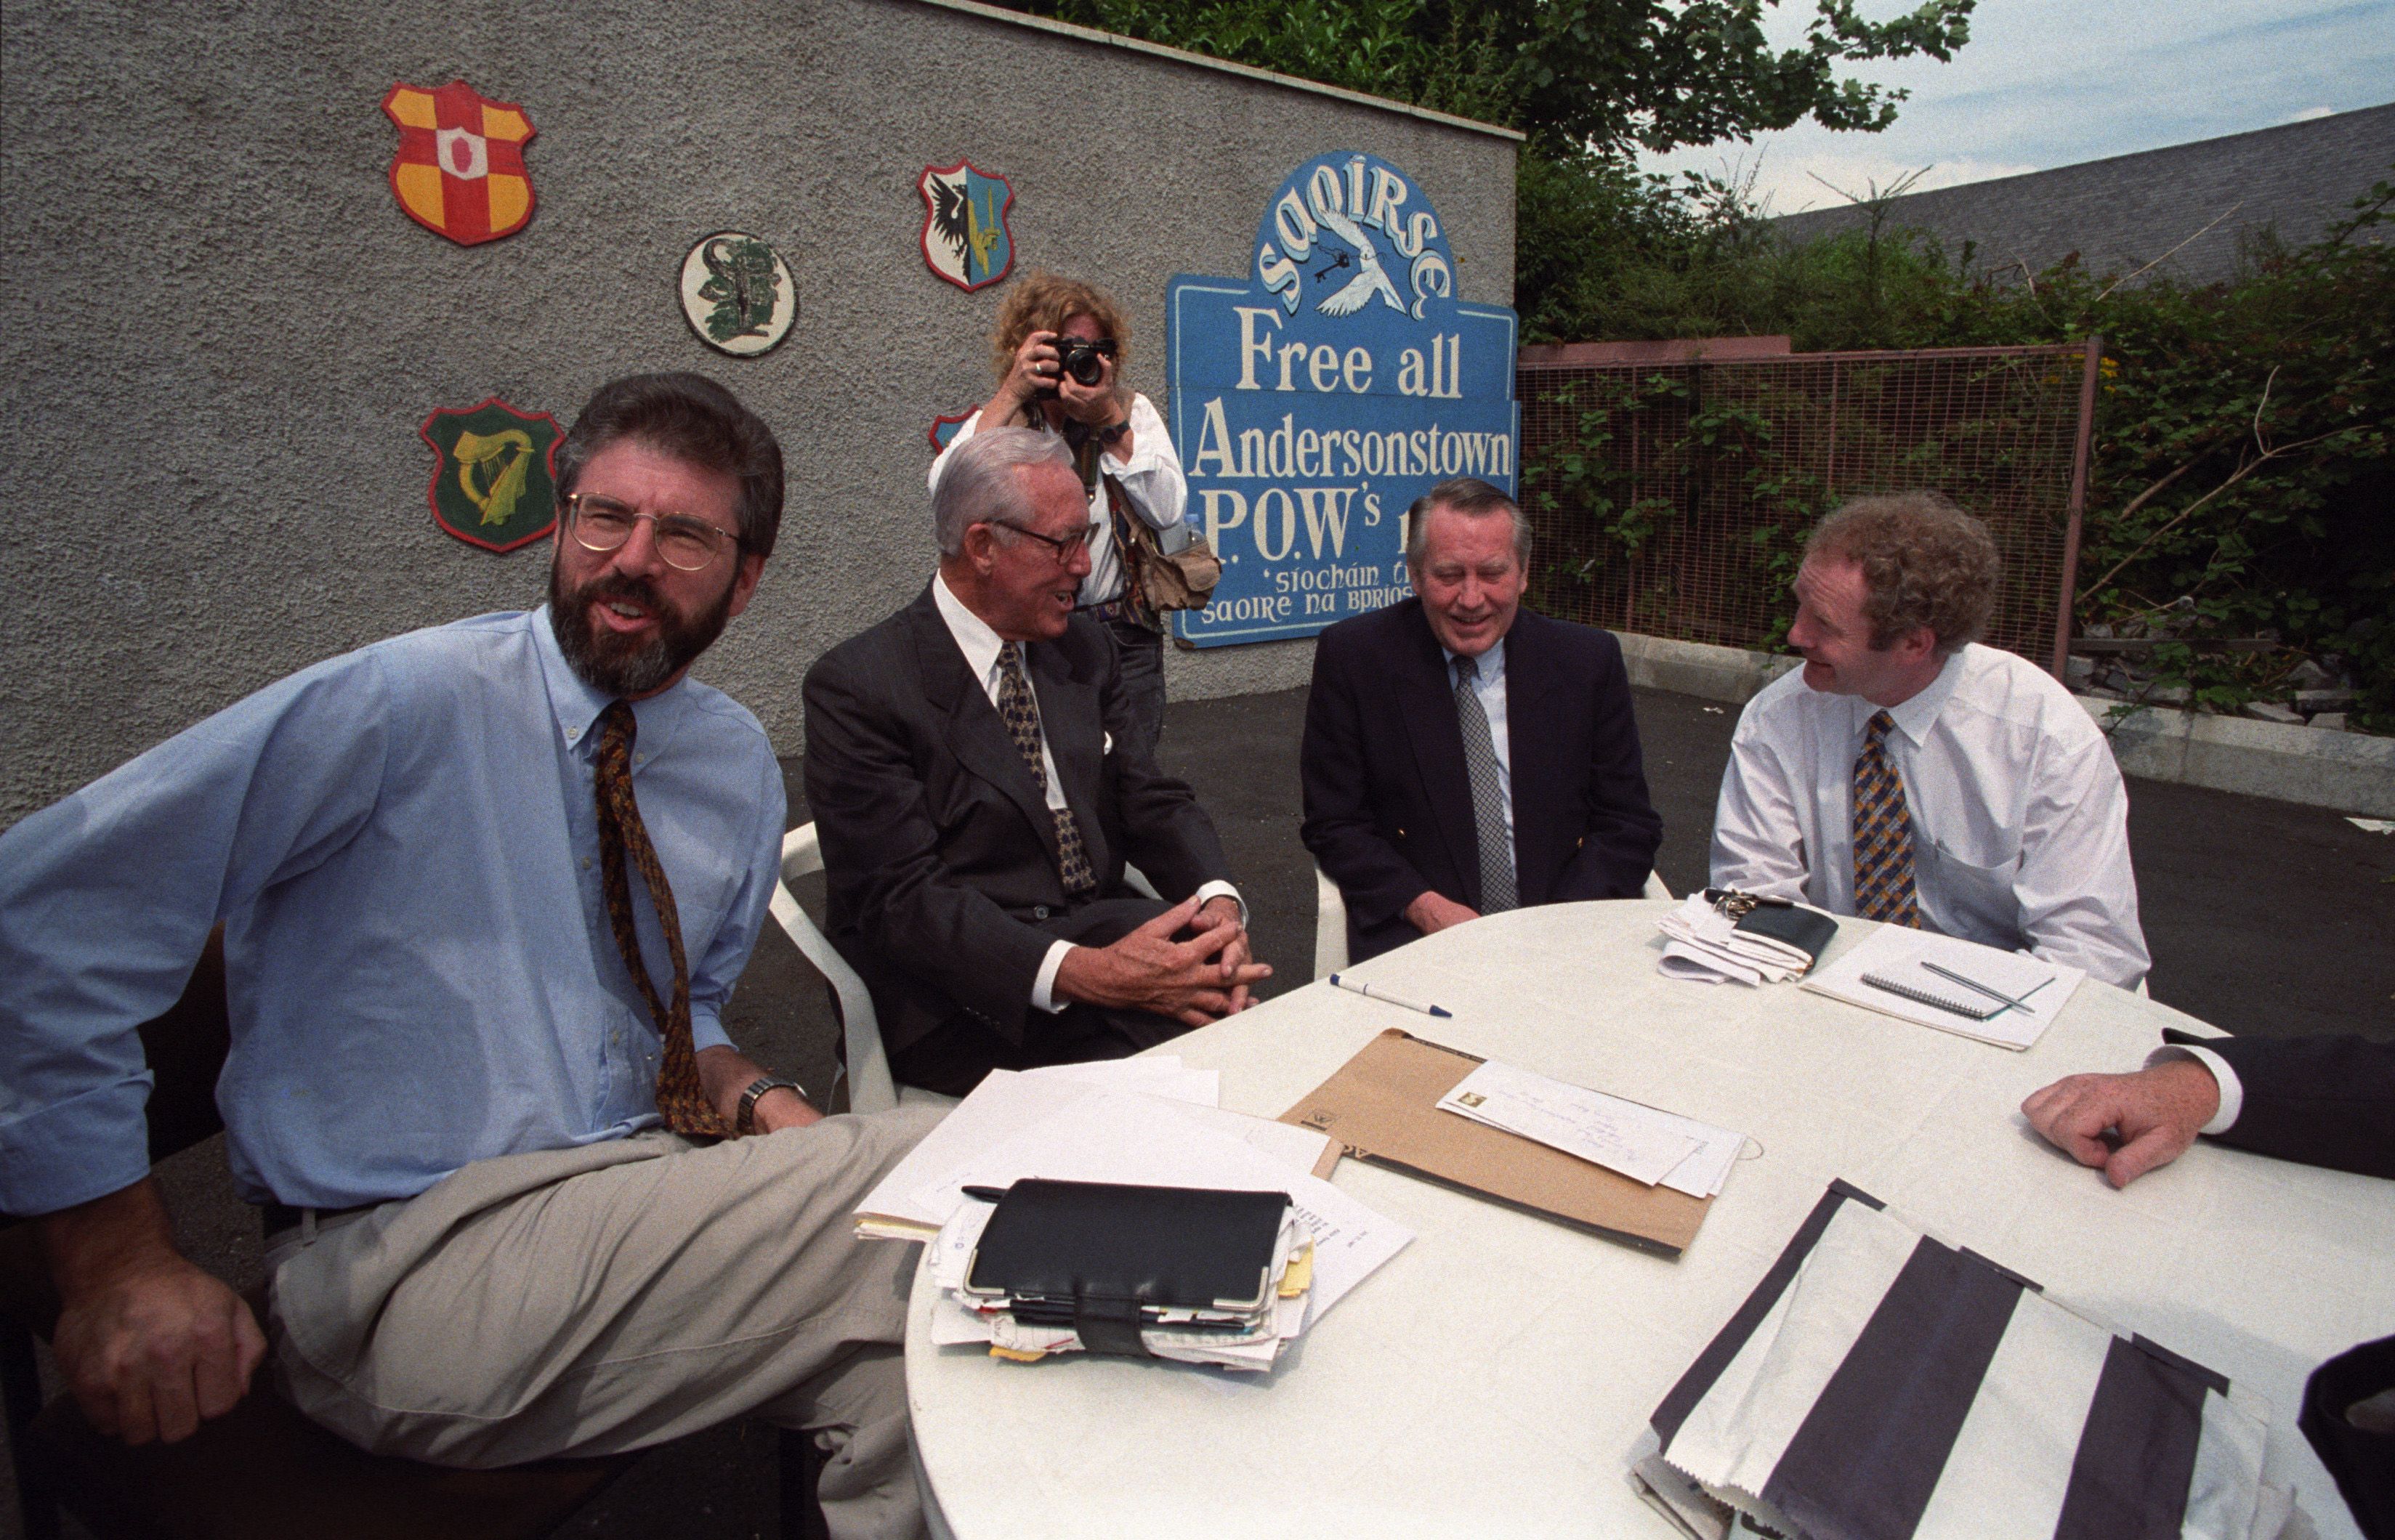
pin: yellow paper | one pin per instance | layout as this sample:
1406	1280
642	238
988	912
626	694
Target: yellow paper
1299	1275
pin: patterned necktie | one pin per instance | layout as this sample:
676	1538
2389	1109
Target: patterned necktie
1020	712
681	1099
1487	792
1883	834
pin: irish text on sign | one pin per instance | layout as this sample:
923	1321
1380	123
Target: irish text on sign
1317	397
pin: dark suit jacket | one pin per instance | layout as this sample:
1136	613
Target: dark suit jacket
1388	801
939	852
2321	1100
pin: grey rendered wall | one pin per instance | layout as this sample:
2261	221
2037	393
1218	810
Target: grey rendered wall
2125	211
220	332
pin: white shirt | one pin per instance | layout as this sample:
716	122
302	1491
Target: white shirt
2020	823
1151	481
981	646
1490	686
2232	1090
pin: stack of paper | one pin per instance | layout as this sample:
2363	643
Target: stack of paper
1707	946
1143	1121
1897	972
1642	1143
1246	1340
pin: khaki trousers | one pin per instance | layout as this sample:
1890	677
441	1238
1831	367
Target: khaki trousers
593	1300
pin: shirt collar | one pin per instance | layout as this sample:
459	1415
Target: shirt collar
576	704
1916	715
1493	663
973	637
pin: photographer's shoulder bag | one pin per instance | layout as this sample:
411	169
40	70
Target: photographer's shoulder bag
1157	580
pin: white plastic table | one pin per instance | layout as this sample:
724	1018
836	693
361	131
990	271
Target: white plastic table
1490	1379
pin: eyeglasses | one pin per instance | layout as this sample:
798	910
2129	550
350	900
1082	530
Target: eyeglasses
603	524
1066	548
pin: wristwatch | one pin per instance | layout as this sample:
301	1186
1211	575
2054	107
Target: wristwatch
747	1122
1108	435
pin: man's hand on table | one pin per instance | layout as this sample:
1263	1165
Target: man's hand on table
148	1343
2151	1117
1193	981
1436	912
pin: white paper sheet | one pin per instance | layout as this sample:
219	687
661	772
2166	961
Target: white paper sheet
1004	1104
1606	1130
1162	1075
1896	952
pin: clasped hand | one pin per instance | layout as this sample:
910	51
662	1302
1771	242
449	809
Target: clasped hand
1194	981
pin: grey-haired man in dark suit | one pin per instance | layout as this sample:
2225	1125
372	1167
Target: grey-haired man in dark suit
978	793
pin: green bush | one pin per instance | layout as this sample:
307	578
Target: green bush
2240	485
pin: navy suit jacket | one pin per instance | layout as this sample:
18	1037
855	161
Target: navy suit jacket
2326	1100
1388	801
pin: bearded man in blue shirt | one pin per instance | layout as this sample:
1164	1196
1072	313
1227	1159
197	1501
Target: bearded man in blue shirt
485	890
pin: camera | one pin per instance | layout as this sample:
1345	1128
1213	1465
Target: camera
1082	359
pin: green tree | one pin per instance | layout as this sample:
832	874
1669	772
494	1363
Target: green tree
1572	74
1588	83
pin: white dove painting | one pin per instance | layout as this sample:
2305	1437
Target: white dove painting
1370	277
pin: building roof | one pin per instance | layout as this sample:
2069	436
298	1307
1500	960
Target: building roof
2182	208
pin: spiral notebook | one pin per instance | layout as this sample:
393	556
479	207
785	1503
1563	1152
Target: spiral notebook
1894	971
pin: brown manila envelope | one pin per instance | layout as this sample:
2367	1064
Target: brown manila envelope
1383	1106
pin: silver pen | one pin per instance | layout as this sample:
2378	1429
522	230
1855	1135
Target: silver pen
1992	995
1376	992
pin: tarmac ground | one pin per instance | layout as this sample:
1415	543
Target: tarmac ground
2263	917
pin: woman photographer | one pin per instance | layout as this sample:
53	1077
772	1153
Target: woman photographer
1059	351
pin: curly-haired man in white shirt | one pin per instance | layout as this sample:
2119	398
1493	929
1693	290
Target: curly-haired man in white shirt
1909	773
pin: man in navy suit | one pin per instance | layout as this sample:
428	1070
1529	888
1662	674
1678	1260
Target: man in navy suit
1463	755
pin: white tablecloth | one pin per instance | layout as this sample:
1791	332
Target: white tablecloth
1490	1380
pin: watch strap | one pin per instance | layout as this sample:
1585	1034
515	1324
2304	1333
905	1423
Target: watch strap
747	1121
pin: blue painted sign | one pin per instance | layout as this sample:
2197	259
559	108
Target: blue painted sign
1315	398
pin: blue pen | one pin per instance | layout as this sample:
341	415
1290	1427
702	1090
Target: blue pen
1375	992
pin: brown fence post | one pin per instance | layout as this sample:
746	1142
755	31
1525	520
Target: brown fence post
2080	454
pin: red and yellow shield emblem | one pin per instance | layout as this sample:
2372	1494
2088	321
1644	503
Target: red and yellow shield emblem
459	170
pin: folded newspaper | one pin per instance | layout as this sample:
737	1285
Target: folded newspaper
1879	1382
1707	946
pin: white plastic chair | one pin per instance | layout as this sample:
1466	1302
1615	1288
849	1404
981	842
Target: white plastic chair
1331	921
870	1088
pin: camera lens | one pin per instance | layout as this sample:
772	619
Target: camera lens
1082	362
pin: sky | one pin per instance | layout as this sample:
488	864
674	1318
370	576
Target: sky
2048	83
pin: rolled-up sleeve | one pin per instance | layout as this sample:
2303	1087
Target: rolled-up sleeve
1151	476
1758	841
107	897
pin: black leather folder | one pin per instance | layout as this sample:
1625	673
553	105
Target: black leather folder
1808	931
1106	1257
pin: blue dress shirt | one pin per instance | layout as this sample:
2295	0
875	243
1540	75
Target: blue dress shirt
402	847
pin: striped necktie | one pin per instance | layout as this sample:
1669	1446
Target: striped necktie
1497	893
1020	711
682	1101
1883	834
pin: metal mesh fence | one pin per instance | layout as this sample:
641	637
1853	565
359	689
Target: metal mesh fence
1673	499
